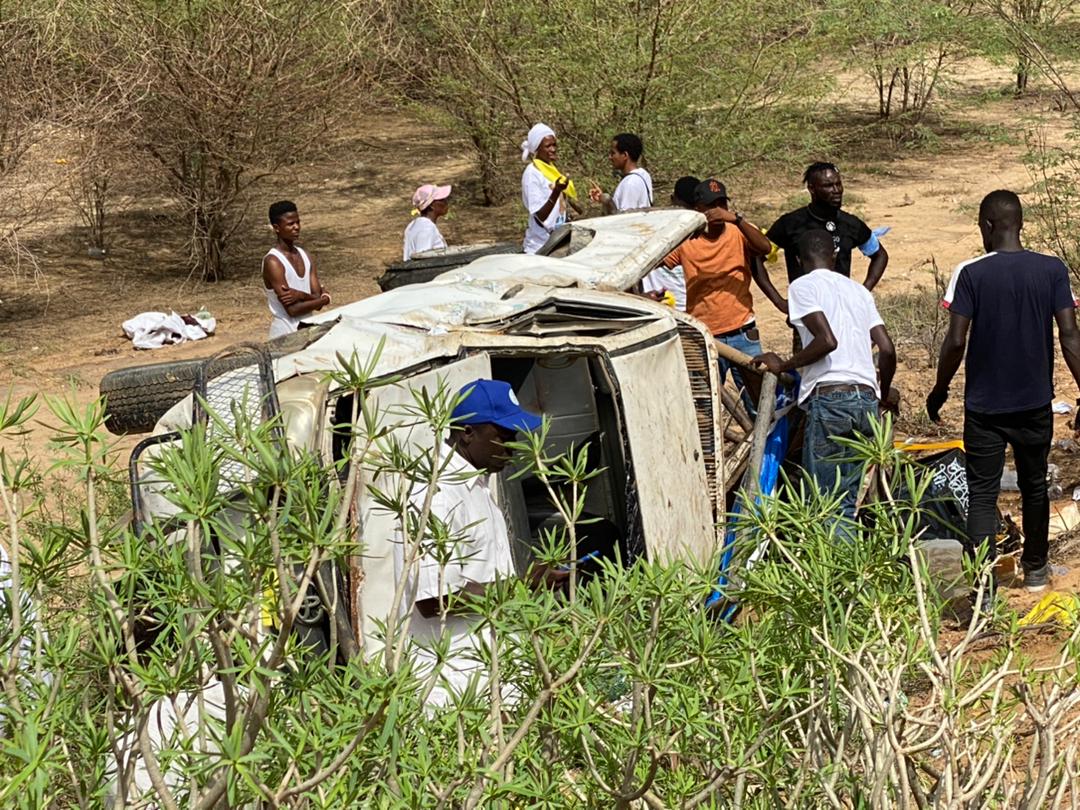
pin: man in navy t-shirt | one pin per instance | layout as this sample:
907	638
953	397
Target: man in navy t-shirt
1009	300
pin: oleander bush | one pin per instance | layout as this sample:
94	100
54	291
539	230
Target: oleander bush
164	667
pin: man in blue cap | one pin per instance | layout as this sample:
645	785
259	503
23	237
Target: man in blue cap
487	416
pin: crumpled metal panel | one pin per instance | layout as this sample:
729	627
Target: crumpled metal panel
623	249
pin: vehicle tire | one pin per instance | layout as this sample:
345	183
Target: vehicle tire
136	397
418	271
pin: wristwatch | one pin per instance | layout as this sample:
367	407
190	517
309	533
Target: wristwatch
739	218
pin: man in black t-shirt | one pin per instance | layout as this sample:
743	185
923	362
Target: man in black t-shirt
848	231
1009	299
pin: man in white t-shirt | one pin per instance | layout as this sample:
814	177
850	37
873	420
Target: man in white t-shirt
635	188
475	546
838	323
545	191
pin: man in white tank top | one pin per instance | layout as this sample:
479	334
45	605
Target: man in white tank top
292	285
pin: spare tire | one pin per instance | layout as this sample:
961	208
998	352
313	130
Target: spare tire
425	268
137	397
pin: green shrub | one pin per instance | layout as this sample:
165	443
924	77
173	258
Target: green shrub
833	688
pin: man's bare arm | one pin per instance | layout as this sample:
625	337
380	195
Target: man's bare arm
878	262
760	275
296	302
822	343
952	354
886	359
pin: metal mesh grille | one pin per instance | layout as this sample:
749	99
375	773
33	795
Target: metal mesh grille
234	393
701	372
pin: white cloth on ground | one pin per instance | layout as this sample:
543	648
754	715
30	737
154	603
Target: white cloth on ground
535	192
534	139
283	323
152	330
463	500
670	279
850	310
634	191
421	234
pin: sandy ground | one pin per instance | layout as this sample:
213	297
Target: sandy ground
62	331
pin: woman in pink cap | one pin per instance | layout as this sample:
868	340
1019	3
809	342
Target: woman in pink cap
429	203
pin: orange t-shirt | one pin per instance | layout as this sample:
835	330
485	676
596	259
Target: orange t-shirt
717	271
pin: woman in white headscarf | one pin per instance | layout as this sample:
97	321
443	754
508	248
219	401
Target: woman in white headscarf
545	191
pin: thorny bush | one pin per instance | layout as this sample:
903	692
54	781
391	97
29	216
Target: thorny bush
176	680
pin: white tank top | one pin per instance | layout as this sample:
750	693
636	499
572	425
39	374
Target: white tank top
283	323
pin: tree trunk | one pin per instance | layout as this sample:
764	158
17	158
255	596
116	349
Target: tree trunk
1023	73
208	243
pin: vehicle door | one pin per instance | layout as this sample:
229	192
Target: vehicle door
379	530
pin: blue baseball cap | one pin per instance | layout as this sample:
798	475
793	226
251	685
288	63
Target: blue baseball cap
493	401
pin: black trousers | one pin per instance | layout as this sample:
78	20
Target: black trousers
1029	433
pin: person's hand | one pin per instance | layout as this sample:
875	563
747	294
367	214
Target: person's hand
783	307
720	215
890	403
770	361
288	296
655	295
325	295
561	184
934	400
547	577
596	194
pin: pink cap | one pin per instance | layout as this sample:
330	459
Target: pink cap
427	194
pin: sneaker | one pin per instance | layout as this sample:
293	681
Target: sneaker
1036	579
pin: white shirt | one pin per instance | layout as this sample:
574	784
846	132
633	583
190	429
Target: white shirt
421	234
850	310
463	500
670	279
633	191
535	192
283	323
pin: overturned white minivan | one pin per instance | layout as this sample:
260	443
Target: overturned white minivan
636	379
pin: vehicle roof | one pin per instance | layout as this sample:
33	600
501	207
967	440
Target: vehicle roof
417	323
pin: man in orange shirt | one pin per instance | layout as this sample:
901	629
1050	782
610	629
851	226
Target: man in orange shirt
718	264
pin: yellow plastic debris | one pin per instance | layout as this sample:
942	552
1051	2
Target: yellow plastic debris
1056	606
919	447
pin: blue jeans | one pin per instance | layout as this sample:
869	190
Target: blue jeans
837	414
747	346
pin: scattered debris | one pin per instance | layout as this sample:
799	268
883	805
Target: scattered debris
1062	407
1064	518
1056	606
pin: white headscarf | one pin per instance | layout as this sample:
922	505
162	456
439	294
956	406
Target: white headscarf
534	139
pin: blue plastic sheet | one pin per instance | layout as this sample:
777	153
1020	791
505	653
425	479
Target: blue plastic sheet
776	446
